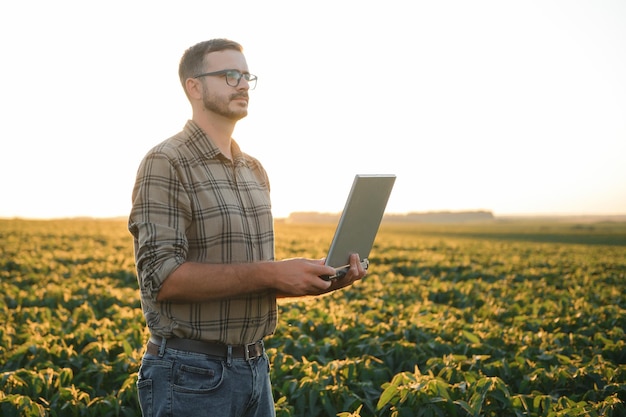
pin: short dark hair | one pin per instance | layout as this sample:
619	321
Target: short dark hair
192	62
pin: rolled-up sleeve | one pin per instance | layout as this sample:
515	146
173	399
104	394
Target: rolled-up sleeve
159	216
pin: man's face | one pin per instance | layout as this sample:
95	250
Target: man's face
219	97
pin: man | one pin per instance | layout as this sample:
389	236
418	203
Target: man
204	249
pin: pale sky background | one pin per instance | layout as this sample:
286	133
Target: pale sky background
518	107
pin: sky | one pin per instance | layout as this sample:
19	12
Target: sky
517	107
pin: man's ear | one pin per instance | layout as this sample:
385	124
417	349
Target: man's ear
193	88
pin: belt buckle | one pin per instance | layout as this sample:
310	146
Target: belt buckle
246	350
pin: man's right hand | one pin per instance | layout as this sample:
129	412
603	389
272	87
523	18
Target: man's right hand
299	277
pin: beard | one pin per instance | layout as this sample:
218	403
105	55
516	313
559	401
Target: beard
221	105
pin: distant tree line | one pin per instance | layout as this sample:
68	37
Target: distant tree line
427	217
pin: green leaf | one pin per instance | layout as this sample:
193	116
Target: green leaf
471	337
388	394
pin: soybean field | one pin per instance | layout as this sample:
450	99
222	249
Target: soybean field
514	318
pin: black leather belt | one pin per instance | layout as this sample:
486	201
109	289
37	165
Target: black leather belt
247	352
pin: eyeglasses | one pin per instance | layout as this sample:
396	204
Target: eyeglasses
233	77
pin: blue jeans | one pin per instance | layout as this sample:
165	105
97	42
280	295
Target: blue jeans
182	384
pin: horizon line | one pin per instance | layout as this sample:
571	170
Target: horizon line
324	213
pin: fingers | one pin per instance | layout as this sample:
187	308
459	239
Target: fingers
356	270
321	285
302	277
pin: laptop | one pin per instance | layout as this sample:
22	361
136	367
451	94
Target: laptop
359	222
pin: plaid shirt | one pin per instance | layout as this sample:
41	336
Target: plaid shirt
190	203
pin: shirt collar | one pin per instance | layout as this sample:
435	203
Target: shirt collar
207	147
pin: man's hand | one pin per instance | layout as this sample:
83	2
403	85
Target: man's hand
299	277
355	272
